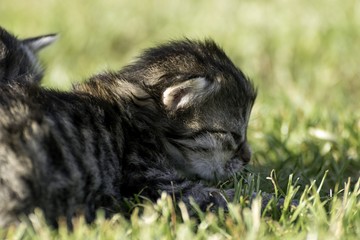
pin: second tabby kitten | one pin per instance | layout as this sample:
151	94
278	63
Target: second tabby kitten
18	61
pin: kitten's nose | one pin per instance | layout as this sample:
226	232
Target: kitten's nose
245	152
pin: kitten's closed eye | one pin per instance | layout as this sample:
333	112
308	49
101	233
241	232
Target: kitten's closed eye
237	137
212	140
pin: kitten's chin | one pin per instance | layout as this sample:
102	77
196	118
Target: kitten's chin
218	176
212	172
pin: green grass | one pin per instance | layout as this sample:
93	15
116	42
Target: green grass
304	58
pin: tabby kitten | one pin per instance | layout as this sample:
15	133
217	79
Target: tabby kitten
176	116
18	61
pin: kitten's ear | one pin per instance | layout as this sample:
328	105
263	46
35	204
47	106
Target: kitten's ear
38	43
186	94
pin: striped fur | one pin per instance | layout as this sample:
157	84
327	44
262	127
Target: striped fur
122	133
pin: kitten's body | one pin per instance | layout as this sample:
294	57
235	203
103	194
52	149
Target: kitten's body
177	114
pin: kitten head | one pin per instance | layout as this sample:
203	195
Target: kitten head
18	61
207	101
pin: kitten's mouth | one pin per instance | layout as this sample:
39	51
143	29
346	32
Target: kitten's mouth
231	168
234	166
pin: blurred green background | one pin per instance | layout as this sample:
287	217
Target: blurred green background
303	55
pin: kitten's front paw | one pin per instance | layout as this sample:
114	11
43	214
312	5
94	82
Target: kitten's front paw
266	198
220	199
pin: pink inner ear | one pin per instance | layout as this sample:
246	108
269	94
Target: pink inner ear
178	95
187	93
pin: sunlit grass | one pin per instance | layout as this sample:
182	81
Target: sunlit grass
304	58
336	217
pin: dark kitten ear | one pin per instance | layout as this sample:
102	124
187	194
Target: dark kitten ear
37	43
186	94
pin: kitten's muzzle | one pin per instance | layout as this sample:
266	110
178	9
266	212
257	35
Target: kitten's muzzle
240	159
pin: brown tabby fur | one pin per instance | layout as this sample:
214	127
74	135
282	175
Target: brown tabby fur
177	115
